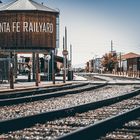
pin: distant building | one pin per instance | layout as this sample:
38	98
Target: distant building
24	61
91	65
94	65
130	62
97	64
87	67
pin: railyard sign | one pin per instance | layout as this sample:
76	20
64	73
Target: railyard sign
26	27
27	30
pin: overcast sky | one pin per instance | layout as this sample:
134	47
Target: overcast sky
92	24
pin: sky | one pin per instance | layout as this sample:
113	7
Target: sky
92	24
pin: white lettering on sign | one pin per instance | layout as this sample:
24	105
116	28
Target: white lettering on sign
5	27
26	27
16	27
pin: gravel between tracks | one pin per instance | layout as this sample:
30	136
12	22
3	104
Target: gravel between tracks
25	109
53	129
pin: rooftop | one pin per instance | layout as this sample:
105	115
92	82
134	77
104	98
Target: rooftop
25	5
130	55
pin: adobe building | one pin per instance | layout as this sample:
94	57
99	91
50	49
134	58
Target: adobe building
28	27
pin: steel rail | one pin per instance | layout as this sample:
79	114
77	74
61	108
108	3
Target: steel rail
127	131
41	90
100	128
28	121
32	98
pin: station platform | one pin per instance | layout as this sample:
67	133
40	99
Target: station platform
106	78
23	85
110	79
113	79
119	76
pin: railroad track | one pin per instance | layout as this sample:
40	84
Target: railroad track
43	94
129	131
67	101
99	128
37	91
71	119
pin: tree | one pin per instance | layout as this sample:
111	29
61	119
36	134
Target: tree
109	61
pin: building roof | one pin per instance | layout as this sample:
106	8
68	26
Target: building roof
130	55
25	5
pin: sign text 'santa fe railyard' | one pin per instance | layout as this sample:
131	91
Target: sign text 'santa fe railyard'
26	27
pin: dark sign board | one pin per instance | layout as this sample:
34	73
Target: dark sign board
27	30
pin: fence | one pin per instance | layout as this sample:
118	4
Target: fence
133	74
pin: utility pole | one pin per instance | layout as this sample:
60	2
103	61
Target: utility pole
120	62
64	61
111	46
53	71
65	38
70	56
66	46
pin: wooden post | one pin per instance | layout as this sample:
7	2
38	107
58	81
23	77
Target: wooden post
11	73
53	71
33	65
15	65
37	69
29	75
